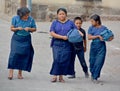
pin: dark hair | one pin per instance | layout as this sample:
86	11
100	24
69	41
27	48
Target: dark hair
96	18
23	11
62	9
78	18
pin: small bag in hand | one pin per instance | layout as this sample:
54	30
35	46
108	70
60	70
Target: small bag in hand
74	36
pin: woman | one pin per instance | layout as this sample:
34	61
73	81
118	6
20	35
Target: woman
98	47
61	48
21	54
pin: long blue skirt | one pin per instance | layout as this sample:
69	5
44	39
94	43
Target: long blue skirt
97	58
61	57
21	54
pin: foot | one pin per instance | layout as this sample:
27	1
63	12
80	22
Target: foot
62	80
71	76
10	78
92	78
86	75
95	81
20	77
20	74
54	80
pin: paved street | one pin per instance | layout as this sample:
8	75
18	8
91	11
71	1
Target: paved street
39	78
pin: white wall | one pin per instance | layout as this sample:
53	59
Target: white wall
54	1
2	6
106	3
111	3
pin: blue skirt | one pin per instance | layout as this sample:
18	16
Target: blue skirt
97	58
61	57
21	54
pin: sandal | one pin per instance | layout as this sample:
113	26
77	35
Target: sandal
62	80
10	78
54	80
20	77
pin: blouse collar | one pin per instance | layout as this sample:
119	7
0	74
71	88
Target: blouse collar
63	21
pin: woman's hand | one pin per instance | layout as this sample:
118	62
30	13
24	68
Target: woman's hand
65	38
20	28
27	29
58	36
100	37
14	29
91	37
111	38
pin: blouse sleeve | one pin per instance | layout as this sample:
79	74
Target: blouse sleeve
105	27
90	30
52	28
33	25
13	22
73	25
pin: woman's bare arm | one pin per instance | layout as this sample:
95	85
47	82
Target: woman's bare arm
58	36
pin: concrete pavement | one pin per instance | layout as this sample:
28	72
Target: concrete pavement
39	78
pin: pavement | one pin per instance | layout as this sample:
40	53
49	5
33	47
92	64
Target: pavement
39	78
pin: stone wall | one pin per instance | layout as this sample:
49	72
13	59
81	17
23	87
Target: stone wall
11	7
2	6
39	12
111	3
47	12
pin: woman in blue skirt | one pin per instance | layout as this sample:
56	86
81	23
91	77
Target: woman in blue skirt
61	48
21	54
97	48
